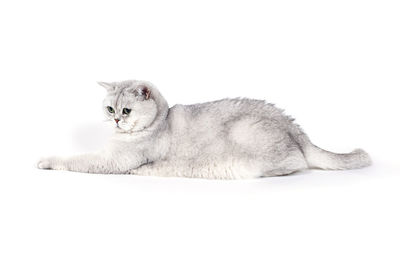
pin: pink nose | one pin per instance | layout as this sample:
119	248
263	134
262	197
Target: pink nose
116	120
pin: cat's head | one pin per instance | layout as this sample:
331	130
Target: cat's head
131	105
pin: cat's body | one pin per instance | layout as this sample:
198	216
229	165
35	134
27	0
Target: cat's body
225	139
230	138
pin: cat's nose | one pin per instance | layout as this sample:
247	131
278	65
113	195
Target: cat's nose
116	120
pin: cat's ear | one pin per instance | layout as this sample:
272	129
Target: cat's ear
108	86
144	91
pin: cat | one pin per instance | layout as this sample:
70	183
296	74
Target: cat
225	139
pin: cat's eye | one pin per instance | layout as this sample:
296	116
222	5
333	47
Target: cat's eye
126	111
110	109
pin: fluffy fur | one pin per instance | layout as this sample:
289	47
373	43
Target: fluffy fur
225	139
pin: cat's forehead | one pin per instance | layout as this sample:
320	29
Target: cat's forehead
121	96
122	89
124	85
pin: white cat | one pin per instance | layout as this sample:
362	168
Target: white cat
225	139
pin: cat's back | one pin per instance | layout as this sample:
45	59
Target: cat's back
226	107
211	115
209	135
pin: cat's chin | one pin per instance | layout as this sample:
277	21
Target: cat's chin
118	129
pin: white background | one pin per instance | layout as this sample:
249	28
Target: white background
334	65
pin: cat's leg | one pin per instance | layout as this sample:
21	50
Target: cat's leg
210	170
165	168
90	163
294	162
159	168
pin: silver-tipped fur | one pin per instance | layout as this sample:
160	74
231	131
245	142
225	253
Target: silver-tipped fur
224	139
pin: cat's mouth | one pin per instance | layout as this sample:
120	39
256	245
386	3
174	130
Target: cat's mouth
122	128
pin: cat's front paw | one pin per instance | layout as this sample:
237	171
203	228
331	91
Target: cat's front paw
51	163
44	164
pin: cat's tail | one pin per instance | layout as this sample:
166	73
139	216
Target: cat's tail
318	158
322	159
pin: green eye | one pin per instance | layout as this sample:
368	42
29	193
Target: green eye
110	109
126	111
